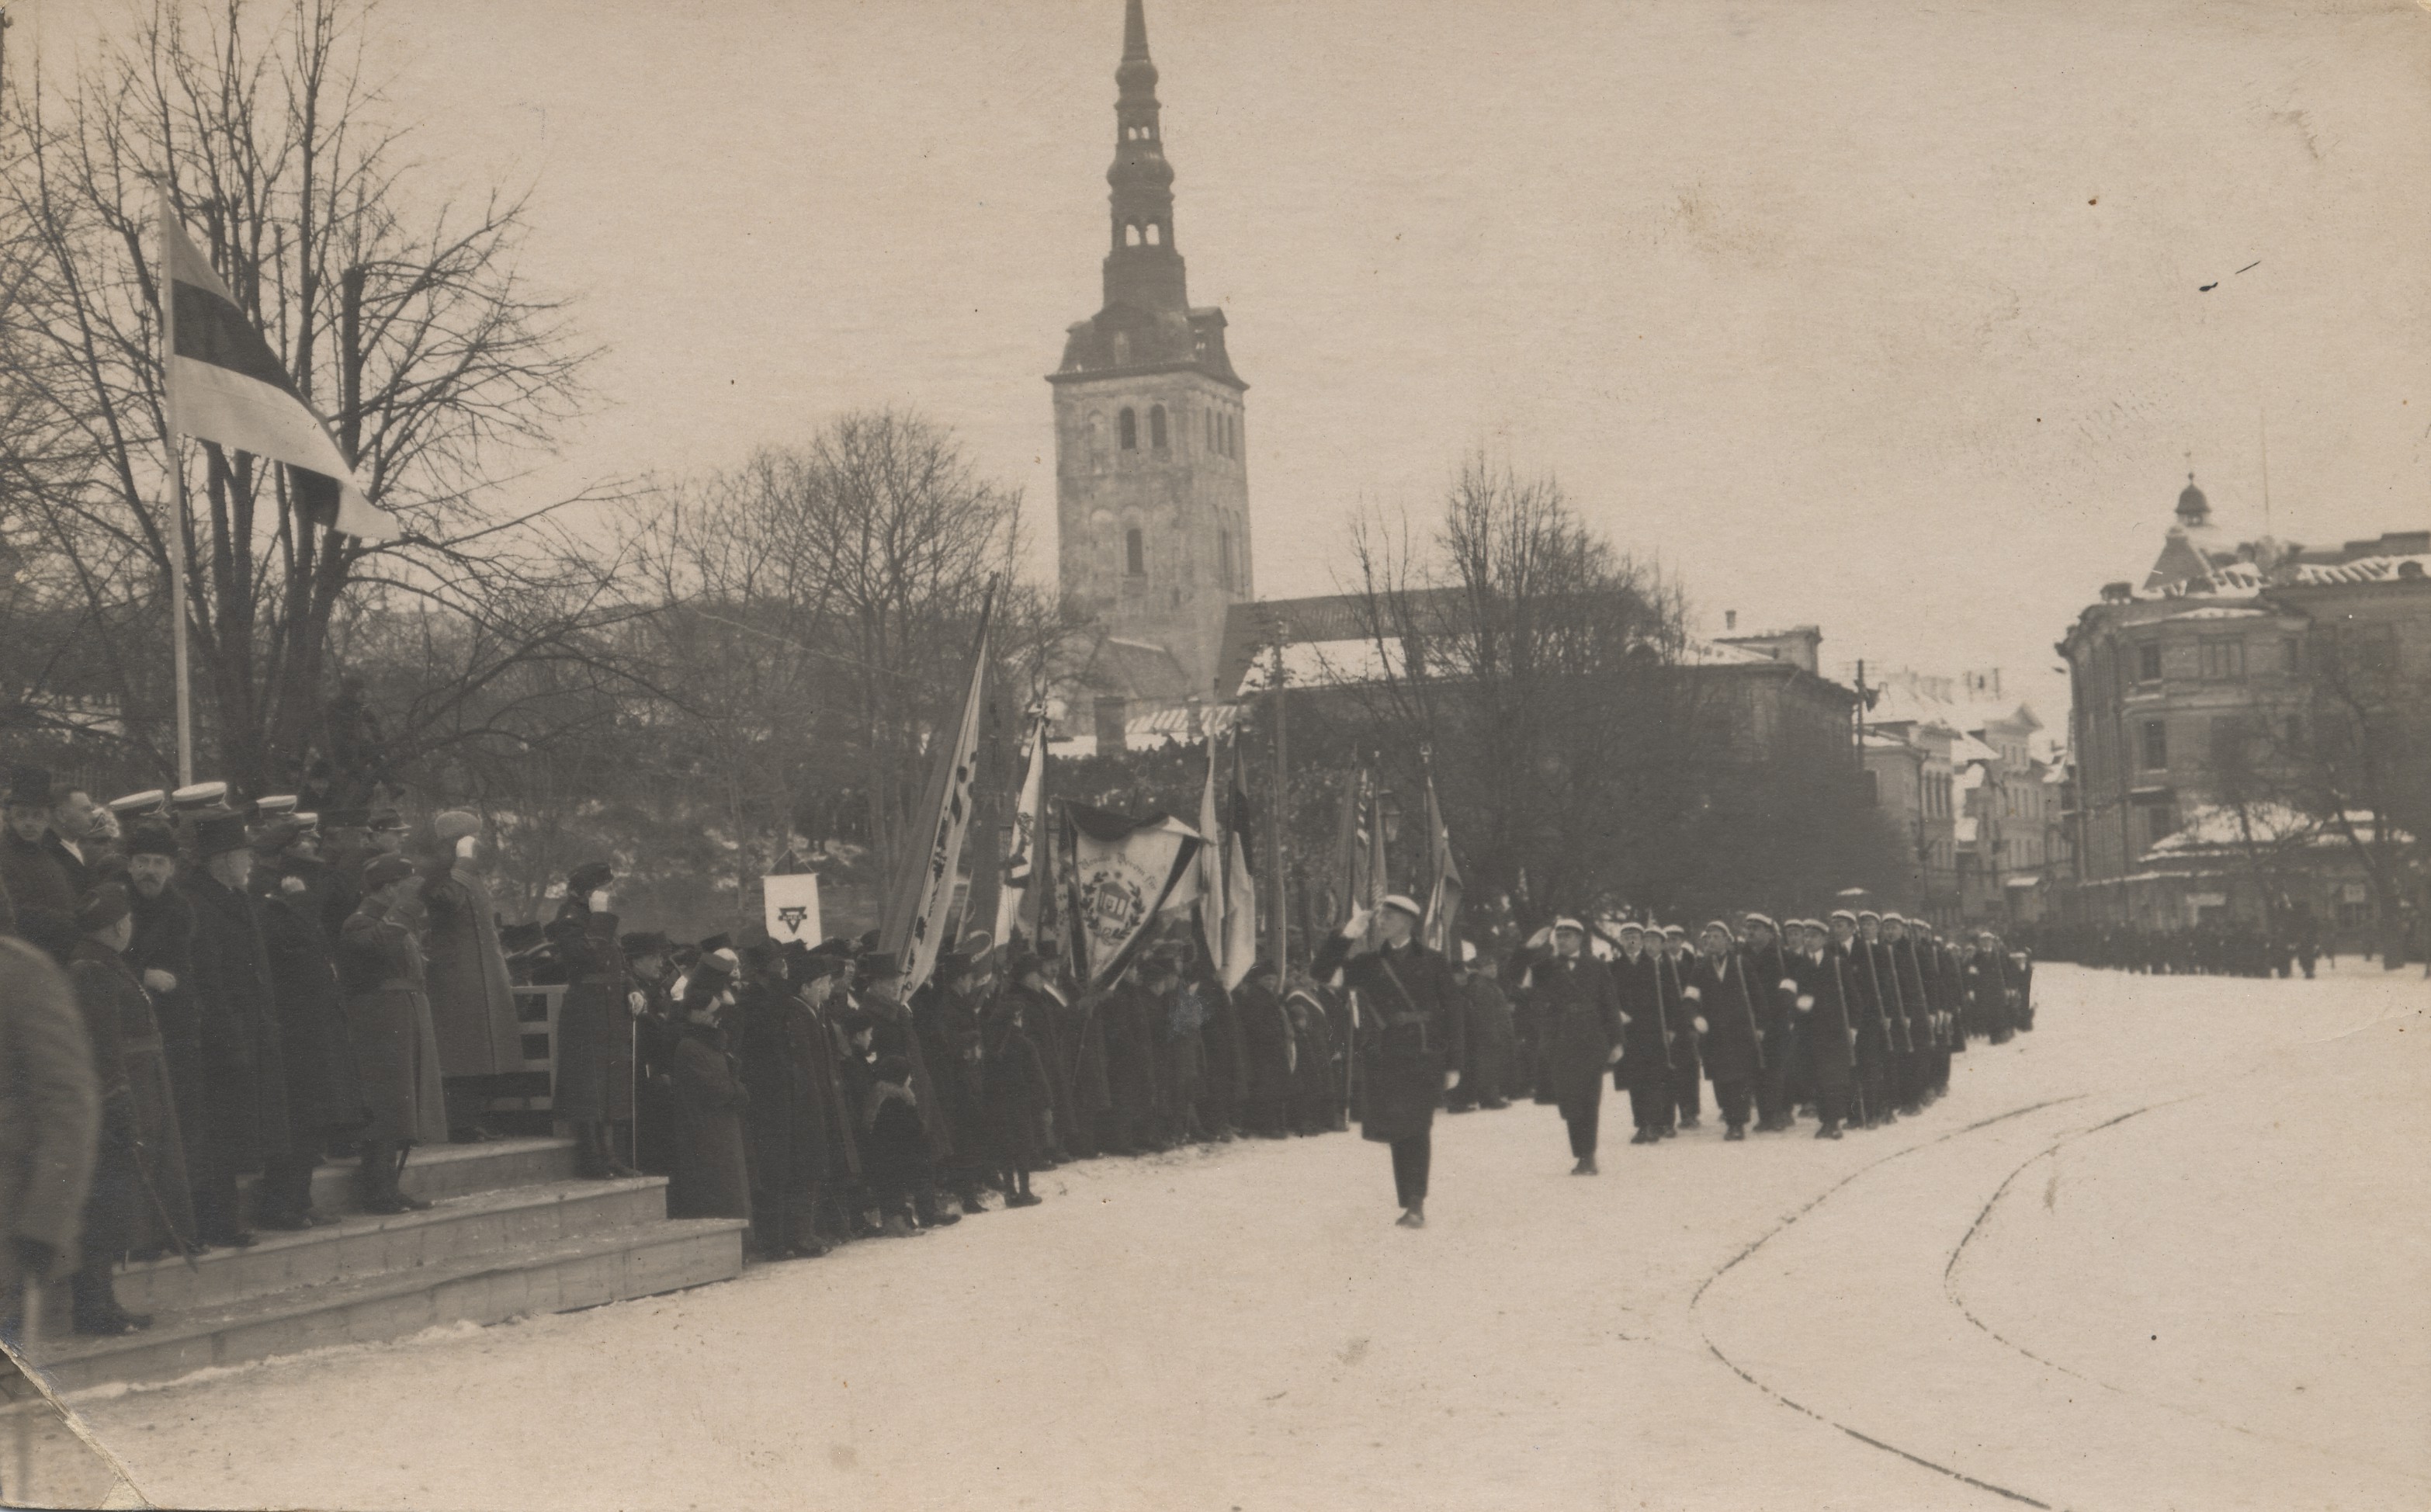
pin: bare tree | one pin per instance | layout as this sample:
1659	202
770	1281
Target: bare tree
401	316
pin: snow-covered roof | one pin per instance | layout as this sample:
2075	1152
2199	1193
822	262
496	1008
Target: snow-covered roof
2219	827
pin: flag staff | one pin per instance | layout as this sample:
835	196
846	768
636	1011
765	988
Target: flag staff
167	284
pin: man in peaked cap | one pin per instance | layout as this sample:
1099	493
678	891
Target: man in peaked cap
1577	1001
244	1109
1687	1051
1411	1038
1645	1067
1766	963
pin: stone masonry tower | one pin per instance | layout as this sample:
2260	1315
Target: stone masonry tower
1152	497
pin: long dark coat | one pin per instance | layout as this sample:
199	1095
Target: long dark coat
324	1074
164	933
1317	1087
1883	971
245	1075
1645	1037
777	1046
712	1172
1671	975
1051	1032
1490	1034
1267	1042
1733	1048
1013	1094
1412	1026
472	1003
1577	1001
1823	1018
42	892
1776	991
50	1111
380	973
892	1033
1128	1016
1914	996
947	1022
595	1028
145	1194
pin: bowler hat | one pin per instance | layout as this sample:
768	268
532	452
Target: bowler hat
879	965
102	907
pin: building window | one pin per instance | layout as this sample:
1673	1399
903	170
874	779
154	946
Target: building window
1211	427
2148	662
1224	555
1134	549
1155	234
1156	428
2223	659
2154	746
1126	427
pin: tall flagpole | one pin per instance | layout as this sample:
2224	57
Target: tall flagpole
168	287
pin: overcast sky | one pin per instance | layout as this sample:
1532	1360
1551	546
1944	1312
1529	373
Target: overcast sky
1889	317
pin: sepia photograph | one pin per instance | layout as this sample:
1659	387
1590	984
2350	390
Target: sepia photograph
1083	754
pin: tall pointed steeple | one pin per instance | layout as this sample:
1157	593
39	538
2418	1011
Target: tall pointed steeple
1142	267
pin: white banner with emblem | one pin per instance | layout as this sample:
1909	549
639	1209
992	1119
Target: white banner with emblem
792	906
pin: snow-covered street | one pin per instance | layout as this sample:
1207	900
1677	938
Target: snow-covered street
2168	1250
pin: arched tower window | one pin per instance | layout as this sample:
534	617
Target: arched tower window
1127	424
1155	234
1096	434
1131	233
1210	427
1134	550
1156	428
1224	556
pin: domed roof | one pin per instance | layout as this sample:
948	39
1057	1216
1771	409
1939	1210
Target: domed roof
2193	506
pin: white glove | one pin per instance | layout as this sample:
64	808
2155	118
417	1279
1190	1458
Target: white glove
1624	1020
1694	994
1542	938
635	1004
1789	983
1807	1002
1451	1079
1699	1022
1356	925
1613	1057
160	980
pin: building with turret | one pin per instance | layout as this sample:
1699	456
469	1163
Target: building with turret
1152	485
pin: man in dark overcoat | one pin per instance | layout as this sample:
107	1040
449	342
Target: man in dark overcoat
33	869
244	1067
1266	1039
1578	1003
1411	1026
779	1049
1673	966
1767	964
325	1079
1826	1035
1723	1013
1645	1065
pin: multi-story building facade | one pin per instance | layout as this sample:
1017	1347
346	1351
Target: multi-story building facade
2177	682
1965	772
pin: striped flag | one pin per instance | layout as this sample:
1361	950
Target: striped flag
1443	898
226	386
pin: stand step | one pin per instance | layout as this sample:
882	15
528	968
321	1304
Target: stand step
583	1272
437	1172
495	1222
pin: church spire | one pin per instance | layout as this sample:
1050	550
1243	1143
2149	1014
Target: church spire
1142	267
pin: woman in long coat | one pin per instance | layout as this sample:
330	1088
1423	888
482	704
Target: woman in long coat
594	1031
380	962
1266	1037
1724	999
712	1171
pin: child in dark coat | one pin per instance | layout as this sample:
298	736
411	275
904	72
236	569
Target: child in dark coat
895	1155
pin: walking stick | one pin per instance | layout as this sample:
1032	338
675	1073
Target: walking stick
160	1210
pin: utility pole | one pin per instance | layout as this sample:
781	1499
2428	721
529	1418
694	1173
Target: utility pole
1280	920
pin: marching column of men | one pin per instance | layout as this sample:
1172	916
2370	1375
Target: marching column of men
262	990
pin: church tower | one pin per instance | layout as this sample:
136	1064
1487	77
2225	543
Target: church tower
1151	492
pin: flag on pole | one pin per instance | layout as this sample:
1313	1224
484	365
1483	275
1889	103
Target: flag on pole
1121	873
1210	866
913	926
1018	897
1444	893
1240	883
226	386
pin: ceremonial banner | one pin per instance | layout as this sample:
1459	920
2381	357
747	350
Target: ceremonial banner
1121	872
1016	910
1228	901
1443	897
226	386
792	905
914	927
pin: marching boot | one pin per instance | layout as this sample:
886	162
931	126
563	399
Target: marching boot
1736	1131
